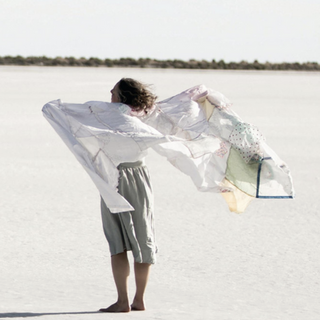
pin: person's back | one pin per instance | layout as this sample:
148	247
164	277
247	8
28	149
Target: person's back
134	230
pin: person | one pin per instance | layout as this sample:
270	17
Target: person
211	144
134	230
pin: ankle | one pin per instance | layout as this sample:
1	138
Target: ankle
123	301
138	298
138	304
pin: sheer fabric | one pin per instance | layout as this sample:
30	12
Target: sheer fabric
196	131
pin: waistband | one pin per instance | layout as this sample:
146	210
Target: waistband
131	164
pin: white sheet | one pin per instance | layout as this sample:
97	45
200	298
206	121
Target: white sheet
196	130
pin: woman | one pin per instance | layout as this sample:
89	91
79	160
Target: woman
215	148
131	231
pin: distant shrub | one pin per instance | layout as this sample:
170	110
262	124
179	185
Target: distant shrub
153	63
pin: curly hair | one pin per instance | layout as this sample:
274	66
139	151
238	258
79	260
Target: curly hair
136	94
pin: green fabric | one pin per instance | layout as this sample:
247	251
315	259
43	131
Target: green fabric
241	174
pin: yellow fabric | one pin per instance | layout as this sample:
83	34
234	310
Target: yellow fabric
237	200
207	107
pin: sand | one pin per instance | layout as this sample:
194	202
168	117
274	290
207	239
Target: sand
212	264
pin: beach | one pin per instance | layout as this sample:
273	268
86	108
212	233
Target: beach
212	264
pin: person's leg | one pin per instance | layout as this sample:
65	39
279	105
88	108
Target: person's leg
121	270
141	271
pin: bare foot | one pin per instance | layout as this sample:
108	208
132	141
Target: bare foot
138	306
116	307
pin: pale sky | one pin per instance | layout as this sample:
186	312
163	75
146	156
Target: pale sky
232	30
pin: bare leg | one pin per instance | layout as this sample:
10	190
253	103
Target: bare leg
121	270
141	275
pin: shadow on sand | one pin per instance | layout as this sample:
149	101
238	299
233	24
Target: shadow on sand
31	314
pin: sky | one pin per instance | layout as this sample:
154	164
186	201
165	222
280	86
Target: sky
229	30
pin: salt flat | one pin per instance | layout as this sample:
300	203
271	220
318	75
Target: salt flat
212	264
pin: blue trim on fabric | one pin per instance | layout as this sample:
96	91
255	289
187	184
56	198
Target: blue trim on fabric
258	179
275	197
258	184
258	176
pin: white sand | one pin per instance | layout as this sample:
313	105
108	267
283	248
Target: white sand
212	264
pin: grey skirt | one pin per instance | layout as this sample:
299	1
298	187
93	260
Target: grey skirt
132	230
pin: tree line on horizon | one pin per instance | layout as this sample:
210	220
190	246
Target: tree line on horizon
154	63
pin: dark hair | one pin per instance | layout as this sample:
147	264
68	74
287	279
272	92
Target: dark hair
136	95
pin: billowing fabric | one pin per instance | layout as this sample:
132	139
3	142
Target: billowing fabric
133	230
101	137
197	132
